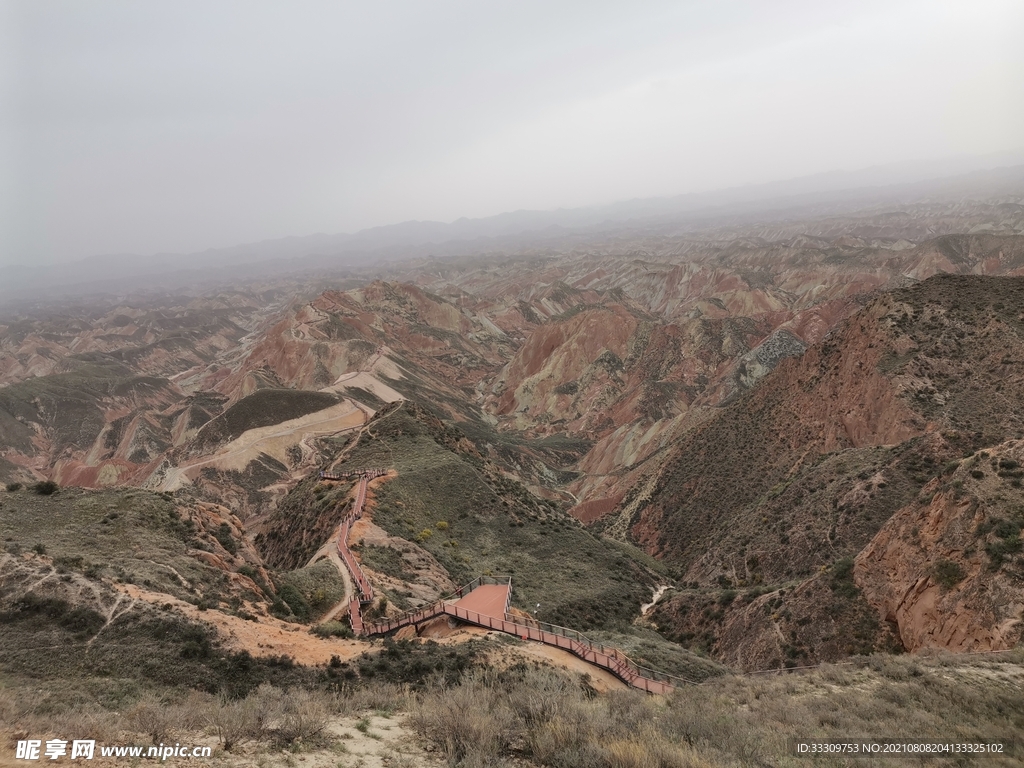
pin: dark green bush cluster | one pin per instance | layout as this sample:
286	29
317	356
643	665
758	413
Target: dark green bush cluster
82	621
333	629
295	601
405	662
948	573
841	581
1008	539
45	487
1000	551
226	540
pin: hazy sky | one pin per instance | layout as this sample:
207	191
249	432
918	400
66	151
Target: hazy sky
177	126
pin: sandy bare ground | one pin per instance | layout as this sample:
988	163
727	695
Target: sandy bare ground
367	381
262	638
367	740
366	378
371	740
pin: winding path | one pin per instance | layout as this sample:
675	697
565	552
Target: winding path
329	551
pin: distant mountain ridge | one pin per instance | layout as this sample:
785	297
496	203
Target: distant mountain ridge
820	195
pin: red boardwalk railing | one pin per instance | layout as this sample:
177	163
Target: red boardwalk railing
368	473
355	512
610	659
355	616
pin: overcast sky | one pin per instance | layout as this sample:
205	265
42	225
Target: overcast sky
177	126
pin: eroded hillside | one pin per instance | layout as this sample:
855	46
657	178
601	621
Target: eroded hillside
827	460
753	406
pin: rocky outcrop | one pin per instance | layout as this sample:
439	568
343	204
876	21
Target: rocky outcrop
946	570
762	360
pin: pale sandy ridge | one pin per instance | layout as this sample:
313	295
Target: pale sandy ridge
273	441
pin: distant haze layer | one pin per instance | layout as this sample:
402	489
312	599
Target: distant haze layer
834	203
175	127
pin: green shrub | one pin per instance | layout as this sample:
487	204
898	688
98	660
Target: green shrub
296	602
83	621
223	535
948	574
333	629
1007	529
842	579
79	620
45	487
999	551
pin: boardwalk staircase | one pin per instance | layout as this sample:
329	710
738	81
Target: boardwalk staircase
485	602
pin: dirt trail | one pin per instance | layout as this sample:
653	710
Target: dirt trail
654	600
112	615
366	740
330	551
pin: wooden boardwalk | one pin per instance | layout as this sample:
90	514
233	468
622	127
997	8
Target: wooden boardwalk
363	587
484	602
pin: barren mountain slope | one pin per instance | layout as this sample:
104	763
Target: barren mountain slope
667	342
153	338
946	570
797	477
612	347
